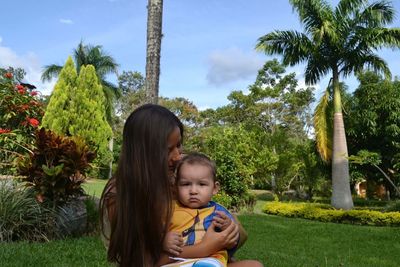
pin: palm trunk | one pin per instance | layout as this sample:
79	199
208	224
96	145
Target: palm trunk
154	34
341	193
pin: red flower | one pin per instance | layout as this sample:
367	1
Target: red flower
19	87
8	75
4	131
33	122
22	91
33	93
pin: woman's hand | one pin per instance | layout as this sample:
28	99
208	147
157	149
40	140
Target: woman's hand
173	243
221	240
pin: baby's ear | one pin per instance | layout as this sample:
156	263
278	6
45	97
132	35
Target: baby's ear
216	188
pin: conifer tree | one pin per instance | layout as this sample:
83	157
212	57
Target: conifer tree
88	113
77	108
57	113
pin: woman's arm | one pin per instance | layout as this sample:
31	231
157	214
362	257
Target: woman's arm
242	233
212	242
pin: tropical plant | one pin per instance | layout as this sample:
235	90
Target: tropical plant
57	167
22	217
104	64
153	51
341	41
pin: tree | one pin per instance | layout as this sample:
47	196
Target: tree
373	124
103	63
57	114
74	110
154	34
340	41
277	112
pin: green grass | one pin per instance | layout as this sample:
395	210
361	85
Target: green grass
278	241
275	241
86	251
94	187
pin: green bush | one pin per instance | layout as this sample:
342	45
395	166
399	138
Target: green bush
232	150
326	213
393	206
22	217
223	199
92	212
57	167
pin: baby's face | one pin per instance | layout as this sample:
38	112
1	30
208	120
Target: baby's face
195	185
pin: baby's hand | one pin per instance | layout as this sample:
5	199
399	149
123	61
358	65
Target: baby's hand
173	243
222	221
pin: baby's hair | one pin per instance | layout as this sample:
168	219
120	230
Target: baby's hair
197	158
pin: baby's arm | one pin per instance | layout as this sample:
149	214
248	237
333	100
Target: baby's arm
222	221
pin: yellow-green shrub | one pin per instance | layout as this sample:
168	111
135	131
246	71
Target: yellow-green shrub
325	213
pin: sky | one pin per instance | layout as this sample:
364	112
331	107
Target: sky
207	47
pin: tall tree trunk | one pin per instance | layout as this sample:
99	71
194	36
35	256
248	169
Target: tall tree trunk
154	34
341	193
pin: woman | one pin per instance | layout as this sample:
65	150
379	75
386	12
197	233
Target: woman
136	202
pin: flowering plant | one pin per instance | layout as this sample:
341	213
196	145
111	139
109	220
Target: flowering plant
20	113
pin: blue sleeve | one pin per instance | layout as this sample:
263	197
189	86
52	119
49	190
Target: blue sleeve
223	209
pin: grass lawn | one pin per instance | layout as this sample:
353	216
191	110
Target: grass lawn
275	241
94	187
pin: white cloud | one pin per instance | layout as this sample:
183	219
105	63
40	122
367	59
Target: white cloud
30	63
66	21
232	65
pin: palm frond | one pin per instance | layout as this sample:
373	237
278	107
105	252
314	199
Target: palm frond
317	67
323	132
347	7
50	71
115	91
359	60
377	14
294	46
316	17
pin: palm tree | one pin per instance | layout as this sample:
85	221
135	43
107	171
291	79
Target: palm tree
337	41
153	53
104	65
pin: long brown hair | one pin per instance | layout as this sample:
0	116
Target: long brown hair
139	195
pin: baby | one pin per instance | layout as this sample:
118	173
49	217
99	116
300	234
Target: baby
194	211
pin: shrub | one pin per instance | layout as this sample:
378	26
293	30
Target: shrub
22	217
326	213
57	167
20	113
92	210
233	152
393	206
223	199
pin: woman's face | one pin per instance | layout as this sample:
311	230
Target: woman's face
174	150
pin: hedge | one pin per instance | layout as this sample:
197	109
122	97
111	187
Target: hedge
326	213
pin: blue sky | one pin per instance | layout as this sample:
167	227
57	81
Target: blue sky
207	49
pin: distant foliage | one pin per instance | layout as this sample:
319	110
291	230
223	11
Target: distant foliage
57	168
